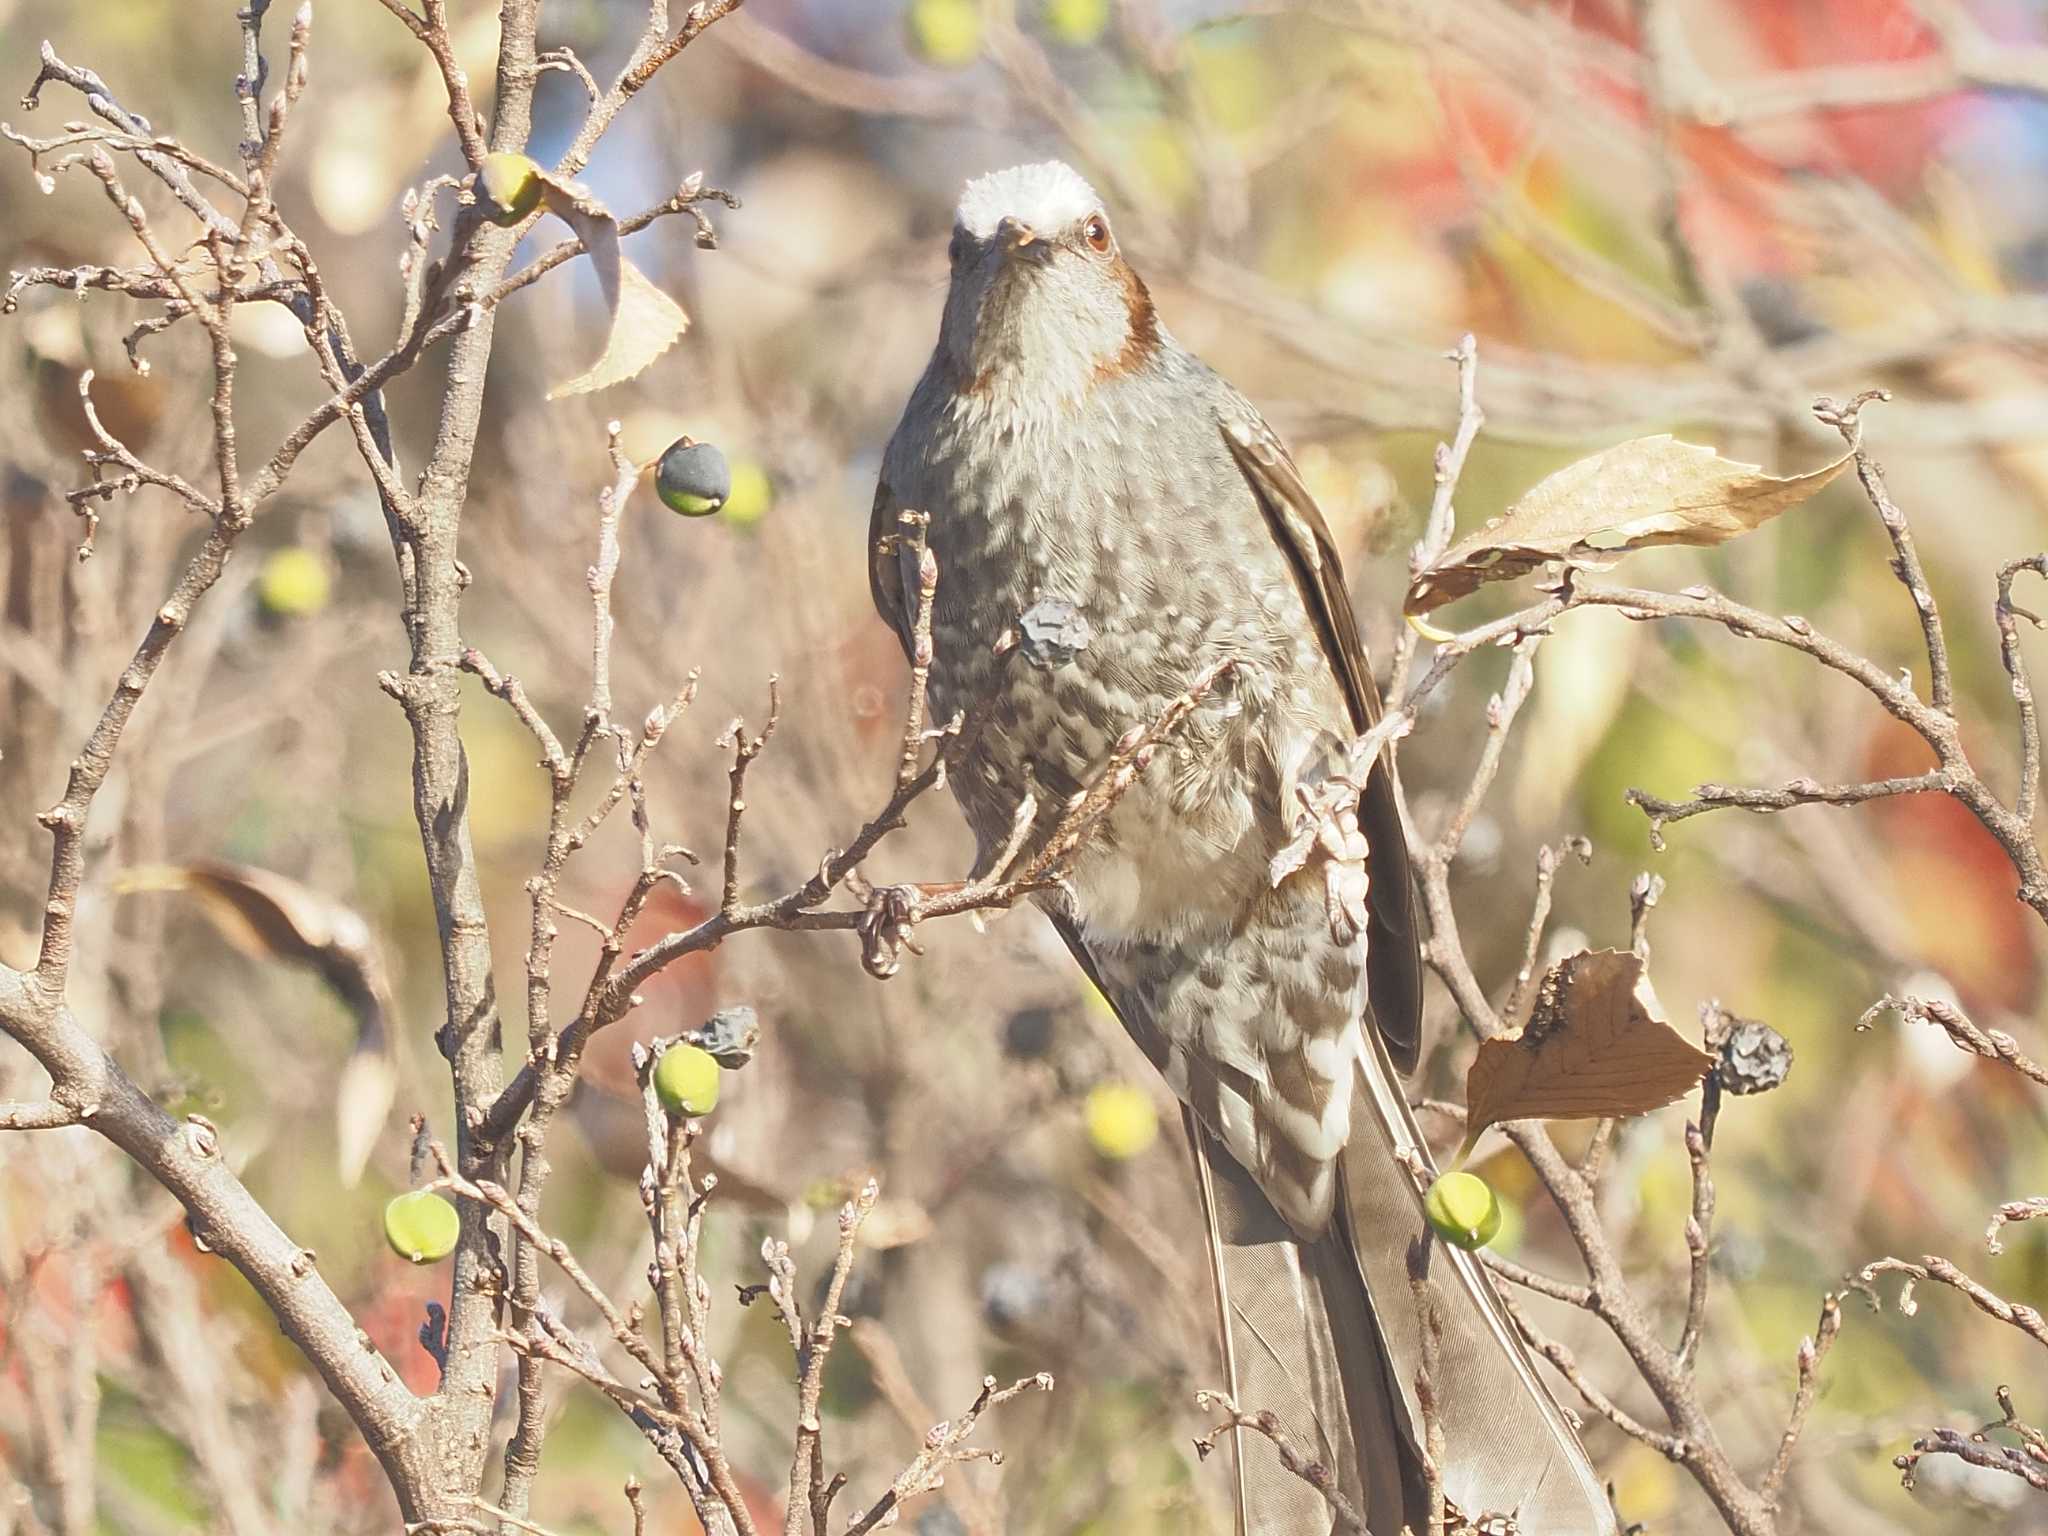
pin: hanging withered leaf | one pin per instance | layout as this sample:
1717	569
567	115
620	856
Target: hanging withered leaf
1595	1044
643	322
1652	490
270	917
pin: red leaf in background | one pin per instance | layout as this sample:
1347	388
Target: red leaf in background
1729	191
1886	146
1953	883
50	1289
1729	209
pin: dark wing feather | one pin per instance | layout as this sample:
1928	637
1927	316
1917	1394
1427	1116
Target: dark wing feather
885	569
1393	962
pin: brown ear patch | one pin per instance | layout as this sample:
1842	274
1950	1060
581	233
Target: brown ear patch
1143	340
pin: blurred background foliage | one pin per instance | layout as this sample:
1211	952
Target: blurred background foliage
1323	196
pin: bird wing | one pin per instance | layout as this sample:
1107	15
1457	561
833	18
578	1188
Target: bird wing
1394	962
1510	1444
885	568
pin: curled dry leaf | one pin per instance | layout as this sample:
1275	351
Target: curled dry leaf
643	321
1595	1044
270	917
1652	490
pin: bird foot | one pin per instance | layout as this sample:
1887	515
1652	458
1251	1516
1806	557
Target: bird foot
1326	832
893	910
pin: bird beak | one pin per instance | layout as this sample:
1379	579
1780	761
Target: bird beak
1014	233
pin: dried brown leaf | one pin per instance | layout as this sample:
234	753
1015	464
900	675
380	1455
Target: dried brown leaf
1652	490
644	322
1595	1044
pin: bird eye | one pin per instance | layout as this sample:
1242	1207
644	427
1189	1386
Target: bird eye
1096	233
954	250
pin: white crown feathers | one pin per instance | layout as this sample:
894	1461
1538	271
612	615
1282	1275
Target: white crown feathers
1047	196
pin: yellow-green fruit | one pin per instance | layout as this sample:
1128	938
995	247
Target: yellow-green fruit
1121	1120
945	32
751	495
508	187
421	1227
1463	1209
686	1080
1077	23
294	583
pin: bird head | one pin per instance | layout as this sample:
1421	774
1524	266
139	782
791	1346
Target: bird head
1042	304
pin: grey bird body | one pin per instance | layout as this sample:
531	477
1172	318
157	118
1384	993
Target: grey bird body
1074	459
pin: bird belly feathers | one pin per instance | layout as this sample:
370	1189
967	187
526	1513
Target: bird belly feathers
1246	1002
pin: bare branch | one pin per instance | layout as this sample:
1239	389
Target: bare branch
1993	1043
2028	1461
2013	1210
1847	418
1699	1234
1933	1267
808	1488
1812	1350
2008	614
38	1117
1568	1367
1293	1456
946	1445
187	1159
432	31
1798	792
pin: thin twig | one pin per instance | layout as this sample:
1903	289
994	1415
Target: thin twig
1993	1043
1297	1461
945	1445
1813	1350
1933	1267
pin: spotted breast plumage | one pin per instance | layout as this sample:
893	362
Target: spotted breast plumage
1088	480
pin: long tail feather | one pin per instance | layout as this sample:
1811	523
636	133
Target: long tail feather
1300	1341
1508	1445
1326	1336
1219	1277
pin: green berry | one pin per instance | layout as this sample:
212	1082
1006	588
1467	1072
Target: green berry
421	1227
293	583
1121	1120
693	478
1463	1209
686	1080
1077	23
945	32
508	187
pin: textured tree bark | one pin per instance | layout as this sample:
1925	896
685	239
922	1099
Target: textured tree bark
425	537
